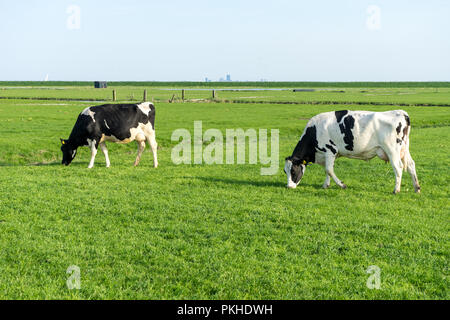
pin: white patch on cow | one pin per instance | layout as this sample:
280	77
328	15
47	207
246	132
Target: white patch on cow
145	107
106	124
144	129
89	112
382	155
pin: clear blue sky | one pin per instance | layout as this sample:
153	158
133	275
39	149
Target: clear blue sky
251	40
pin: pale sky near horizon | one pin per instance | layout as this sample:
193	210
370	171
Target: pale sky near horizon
172	40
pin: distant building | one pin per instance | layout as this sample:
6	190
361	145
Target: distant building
100	84
228	77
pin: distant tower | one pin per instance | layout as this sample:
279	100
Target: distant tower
228	77
46	77
206	79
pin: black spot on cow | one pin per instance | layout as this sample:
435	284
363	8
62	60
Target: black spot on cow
399	141
399	127
346	129
321	149
340	114
405	132
408	122
405	129
331	141
331	148
305	150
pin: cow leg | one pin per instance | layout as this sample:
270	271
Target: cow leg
329	169
398	170
397	165
411	167
93	145
326	184
105	152
140	138
152	142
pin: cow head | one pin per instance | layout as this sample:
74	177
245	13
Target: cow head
294	169
68	152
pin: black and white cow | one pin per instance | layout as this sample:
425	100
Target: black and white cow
121	123
353	134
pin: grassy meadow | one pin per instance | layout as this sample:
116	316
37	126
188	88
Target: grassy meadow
219	231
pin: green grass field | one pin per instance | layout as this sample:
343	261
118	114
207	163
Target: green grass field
219	231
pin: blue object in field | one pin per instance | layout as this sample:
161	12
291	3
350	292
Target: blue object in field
100	84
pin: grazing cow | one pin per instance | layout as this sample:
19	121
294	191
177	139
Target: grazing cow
353	134
121	123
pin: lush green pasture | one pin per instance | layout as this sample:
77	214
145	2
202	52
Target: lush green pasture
402	96
216	231
389	96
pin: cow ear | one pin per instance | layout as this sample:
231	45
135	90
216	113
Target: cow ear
62	141
288	158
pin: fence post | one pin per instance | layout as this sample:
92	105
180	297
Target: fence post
114	95
145	95
182	94
214	94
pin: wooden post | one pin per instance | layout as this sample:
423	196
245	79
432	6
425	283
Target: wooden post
182	94
114	95
145	95
214	94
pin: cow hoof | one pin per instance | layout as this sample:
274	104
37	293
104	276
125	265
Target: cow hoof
344	186
325	186
418	190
